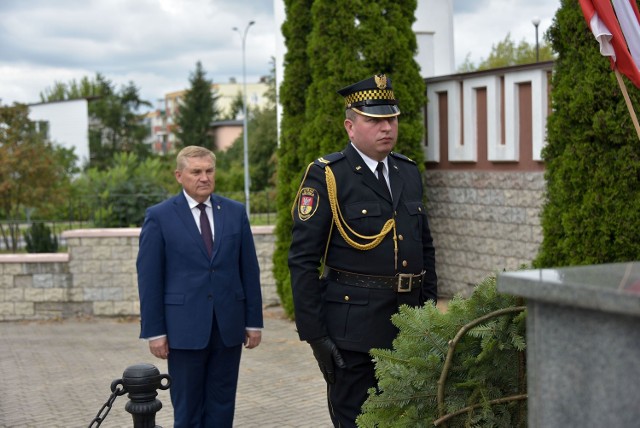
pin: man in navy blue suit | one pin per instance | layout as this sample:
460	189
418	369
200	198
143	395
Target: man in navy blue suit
199	286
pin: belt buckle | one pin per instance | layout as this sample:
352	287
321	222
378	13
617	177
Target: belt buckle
404	288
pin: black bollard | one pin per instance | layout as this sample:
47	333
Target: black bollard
141	381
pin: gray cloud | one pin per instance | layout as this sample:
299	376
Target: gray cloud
156	43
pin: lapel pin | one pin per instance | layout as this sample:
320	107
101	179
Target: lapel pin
218	206
358	168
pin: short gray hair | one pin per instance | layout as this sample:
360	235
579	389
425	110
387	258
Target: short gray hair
193	152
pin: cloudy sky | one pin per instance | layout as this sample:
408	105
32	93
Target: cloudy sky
156	43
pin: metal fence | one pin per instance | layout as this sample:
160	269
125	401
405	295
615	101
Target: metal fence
100	211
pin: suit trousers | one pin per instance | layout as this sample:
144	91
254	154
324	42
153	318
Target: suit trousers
350	390
204	383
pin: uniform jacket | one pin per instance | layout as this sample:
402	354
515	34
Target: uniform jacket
358	318
181	289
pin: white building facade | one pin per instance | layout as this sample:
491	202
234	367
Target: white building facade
67	124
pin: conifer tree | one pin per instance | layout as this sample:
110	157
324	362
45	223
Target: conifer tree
197	111
592	159
297	78
388	44
332	44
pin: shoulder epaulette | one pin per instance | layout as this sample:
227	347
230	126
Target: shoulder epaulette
327	159
403	157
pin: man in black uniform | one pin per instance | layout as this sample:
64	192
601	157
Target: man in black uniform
359	214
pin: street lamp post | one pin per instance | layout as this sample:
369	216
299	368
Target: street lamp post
244	111
536	22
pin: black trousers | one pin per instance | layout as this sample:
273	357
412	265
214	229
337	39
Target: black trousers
349	391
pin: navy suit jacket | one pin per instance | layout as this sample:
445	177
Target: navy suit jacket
181	289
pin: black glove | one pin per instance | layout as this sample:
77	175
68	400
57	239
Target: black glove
327	354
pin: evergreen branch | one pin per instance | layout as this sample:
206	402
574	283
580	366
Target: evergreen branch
381	400
392	358
454	342
433	342
475	406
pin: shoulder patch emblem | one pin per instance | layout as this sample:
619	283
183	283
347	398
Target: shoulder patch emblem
307	203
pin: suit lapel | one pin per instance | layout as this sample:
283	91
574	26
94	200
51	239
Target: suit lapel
218	223
186	217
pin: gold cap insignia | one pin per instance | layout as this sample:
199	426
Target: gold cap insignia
381	81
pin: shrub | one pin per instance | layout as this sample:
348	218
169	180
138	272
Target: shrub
39	239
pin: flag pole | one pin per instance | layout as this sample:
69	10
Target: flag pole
625	94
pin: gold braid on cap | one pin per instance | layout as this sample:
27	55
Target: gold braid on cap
341	223
369	94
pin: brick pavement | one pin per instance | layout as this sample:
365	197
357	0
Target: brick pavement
58	374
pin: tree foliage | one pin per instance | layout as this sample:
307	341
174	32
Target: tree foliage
293	95
331	45
75	89
197	110
115	125
591	214
506	53
485	365
236	107
120	195
34	174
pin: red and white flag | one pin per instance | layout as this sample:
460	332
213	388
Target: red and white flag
616	26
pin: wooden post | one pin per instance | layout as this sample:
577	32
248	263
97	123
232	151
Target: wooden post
623	88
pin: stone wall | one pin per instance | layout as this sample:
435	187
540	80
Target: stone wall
482	222
96	277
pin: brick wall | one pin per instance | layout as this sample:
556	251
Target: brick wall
482	222
96	277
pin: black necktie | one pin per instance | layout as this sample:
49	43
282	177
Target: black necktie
205	229
381	179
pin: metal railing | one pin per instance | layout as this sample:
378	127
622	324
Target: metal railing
103	212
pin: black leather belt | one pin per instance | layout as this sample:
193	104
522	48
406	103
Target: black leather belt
402	282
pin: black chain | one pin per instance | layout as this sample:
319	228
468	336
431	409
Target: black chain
117	391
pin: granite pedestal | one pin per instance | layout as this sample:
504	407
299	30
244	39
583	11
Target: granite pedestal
583	344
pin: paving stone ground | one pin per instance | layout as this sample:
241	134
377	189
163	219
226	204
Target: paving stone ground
58	374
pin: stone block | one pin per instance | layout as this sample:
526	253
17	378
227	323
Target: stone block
13	295
34	294
103	308
102	252
93	294
100	280
24	309
7	308
130	294
122	253
76	294
91	266
123	308
62	280
23	281
13	268
82	280
112	293
55	295
123	280
43	280
83	252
